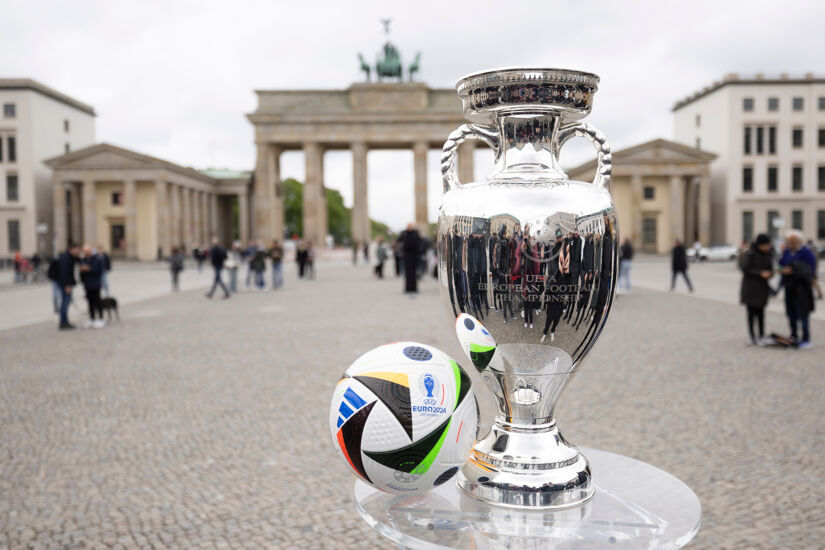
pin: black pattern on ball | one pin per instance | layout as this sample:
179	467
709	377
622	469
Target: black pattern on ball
417	353
445	476
469	323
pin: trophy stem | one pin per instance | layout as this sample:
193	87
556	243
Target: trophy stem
528	466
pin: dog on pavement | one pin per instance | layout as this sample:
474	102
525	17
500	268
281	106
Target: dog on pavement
109	306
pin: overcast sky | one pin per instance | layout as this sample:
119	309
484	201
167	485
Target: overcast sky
174	79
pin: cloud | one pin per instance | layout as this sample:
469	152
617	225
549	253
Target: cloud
175	79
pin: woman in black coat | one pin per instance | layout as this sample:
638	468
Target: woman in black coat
757	269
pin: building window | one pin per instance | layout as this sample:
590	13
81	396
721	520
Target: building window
13	227
649	231
822	103
117	198
747	138
796	178
649	192
66	125
66	148
698	143
820	224
747	226
772	179
747	104
773	103
772	140
821	178
760	133
1	148
798	104
11	148
796	219
773	230
9	110
698	120
12	190
747	179
821	137
796	138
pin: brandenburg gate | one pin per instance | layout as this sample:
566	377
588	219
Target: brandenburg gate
379	115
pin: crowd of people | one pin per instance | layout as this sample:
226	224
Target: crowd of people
797	270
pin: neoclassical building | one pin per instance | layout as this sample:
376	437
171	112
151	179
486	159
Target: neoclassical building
397	115
662	193
137	206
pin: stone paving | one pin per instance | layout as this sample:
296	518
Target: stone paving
203	424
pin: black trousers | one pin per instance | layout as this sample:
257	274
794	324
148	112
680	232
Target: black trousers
410	273
685	275
93	297
379	270
756	313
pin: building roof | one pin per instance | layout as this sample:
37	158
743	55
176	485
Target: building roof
651	152
225	173
29	84
154	162
733	79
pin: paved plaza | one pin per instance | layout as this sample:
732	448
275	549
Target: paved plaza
203	424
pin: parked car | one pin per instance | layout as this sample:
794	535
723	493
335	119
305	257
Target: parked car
717	252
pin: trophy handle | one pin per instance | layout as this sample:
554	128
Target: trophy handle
604	160
459	136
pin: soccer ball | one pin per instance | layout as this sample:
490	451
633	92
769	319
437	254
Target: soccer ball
475	340
404	417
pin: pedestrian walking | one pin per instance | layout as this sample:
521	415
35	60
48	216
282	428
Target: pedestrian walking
199	256
411	245
276	254
757	269
625	264
398	254
301	257
815	282
798	264
176	261
679	265
249	253
232	263
381	257
66	281
258	265
217	255
91	275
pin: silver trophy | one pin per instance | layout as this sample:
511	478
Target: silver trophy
529	256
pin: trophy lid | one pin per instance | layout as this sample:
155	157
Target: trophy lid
527	89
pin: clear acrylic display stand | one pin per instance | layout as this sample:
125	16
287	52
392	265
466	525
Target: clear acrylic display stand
635	506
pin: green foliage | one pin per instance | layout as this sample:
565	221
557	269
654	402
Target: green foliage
293	206
339	217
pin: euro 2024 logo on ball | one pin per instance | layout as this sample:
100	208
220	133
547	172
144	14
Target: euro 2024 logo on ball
433	392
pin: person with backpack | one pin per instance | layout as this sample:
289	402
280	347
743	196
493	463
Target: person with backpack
176	261
217	255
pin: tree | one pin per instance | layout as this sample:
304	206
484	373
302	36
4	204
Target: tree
293	206
338	217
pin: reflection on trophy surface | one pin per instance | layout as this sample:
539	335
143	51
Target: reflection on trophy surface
531	256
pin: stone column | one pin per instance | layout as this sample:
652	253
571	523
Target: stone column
314	200
76	206
59	231
691	232
186	216
704	210
176	216
420	169
243	217
197	227
161	215
276	192
129	203
636	211
360	225
205	221
89	212
262	214
213	215
466	163
677	208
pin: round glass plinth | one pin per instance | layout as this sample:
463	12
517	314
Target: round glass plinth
635	506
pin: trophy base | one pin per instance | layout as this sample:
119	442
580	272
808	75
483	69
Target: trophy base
527	466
